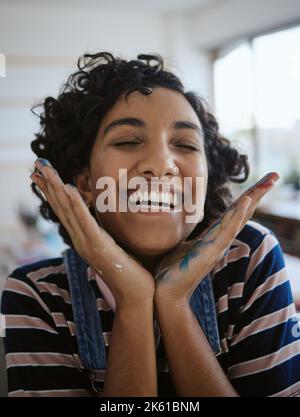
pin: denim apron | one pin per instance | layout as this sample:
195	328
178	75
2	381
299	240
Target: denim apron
91	344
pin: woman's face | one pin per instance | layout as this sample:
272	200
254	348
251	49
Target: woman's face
155	144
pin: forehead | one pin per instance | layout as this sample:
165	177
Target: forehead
162	105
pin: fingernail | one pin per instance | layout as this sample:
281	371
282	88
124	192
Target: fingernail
44	162
275	177
36	172
274	181
263	180
268	180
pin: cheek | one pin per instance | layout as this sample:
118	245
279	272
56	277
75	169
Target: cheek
197	176
109	164
202	172
194	166
103	168
195	205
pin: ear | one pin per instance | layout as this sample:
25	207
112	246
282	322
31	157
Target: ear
83	184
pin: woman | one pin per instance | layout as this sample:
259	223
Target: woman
201	308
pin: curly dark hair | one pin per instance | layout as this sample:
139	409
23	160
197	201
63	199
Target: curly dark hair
69	125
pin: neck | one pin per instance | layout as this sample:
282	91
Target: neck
149	262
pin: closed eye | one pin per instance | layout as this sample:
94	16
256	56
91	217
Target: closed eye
130	143
187	146
126	143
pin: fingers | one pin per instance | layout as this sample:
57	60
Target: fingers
221	233
44	186
258	190
70	208
204	251
232	223
54	190
55	186
87	223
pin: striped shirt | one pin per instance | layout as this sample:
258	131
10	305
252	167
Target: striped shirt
257	322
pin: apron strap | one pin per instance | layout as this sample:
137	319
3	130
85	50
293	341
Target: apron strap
91	344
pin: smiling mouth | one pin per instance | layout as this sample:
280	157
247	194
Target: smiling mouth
153	204
153	201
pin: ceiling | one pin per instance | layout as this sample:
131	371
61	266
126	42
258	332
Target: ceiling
160	6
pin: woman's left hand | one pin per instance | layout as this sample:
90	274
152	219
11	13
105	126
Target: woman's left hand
181	271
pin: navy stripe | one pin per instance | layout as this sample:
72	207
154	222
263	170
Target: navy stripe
275	300
272	263
271	381
58	377
262	343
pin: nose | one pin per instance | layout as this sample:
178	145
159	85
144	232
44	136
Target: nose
157	162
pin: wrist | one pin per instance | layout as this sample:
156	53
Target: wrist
166	301
135	313
134	304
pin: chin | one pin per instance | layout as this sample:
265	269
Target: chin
152	247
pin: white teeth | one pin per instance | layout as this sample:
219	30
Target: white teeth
153	197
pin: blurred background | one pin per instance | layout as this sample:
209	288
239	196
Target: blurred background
242	56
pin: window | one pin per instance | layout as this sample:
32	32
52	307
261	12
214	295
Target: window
257	101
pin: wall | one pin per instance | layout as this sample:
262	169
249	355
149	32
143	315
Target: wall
42	43
233	19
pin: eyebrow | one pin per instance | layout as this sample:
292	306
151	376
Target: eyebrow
185	124
129	121
132	121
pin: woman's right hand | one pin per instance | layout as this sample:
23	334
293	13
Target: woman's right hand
130	283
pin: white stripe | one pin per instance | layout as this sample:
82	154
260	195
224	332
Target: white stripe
273	362
280	277
40	393
33	294
290	309
45	272
262	229
106	336
231	257
54	290
33	328
265	247
17	365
